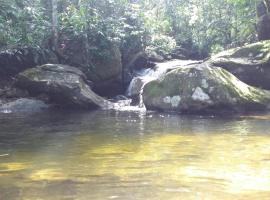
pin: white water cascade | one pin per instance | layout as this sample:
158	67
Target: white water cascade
144	76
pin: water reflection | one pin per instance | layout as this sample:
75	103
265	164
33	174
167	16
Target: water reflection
123	155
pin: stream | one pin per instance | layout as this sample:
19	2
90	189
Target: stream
133	156
129	153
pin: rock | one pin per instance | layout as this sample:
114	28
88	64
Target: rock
185	53
251	63
119	98
14	93
263	22
23	105
101	66
203	89
14	61
155	57
63	84
262	7
263	27
135	87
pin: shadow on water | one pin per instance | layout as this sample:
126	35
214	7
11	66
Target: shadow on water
133	155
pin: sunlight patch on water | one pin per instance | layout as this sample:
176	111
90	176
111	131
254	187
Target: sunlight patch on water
141	157
47	175
222	161
13	166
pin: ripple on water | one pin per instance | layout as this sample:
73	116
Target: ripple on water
104	156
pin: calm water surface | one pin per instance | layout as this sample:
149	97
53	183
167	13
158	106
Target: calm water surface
129	156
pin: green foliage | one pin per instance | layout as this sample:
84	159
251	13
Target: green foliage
22	22
161	44
158	25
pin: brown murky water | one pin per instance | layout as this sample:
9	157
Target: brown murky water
110	155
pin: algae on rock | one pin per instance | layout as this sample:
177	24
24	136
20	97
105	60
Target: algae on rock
202	88
251	63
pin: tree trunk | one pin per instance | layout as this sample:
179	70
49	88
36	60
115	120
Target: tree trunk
54	24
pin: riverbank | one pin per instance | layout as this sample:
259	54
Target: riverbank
234	81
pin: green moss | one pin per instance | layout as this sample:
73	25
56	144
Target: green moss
255	49
31	74
152	89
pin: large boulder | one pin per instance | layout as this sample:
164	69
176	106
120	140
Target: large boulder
101	65
64	85
251	63
203	89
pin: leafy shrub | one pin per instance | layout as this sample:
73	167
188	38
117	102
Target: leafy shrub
161	44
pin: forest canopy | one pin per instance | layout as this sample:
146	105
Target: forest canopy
205	26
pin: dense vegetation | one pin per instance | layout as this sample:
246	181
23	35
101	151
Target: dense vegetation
203	26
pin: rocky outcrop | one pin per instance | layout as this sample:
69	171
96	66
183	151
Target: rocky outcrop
263	27
14	61
263	23
146	75
251	63
64	85
201	88
23	105
101	66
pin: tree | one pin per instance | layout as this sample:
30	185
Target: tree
54	24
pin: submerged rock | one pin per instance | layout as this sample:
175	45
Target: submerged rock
23	105
63	85
251	63
201	88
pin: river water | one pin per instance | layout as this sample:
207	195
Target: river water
127	155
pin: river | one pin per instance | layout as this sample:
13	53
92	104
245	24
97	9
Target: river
133	156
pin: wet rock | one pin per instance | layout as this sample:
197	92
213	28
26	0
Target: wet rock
146	75
135	87
155	57
13	92
203	89
23	105
251	63
64	85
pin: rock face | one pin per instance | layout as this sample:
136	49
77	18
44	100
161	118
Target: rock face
201	88
263	27
23	105
251	63
104	69
135	87
63	84
263	23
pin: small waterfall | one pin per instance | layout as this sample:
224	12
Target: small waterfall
144	76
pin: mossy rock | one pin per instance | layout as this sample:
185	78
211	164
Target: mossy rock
203	89
64	85
251	63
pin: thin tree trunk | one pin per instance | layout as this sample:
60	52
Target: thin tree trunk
54	24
